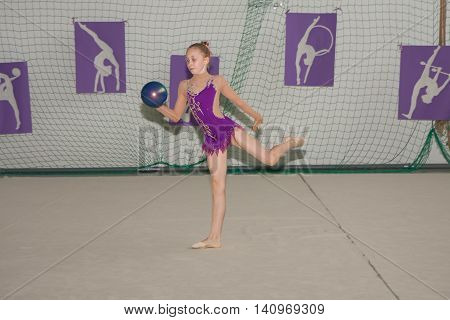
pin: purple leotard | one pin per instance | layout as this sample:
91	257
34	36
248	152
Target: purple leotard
217	131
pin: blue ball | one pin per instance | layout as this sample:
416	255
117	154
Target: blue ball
154	94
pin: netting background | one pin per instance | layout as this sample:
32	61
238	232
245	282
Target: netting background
352	123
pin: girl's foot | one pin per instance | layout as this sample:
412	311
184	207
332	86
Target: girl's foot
294	142
206	244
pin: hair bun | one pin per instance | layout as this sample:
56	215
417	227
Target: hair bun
206	43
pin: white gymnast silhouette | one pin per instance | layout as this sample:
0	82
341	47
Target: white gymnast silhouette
311	53
106	54
432	87
7	92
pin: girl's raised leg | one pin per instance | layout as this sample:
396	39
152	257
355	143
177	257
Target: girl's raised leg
270	157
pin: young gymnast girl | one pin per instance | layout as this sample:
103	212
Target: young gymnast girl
201	94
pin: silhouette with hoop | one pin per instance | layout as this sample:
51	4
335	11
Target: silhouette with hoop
305	49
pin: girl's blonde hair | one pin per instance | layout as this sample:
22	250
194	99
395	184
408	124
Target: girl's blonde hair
203	46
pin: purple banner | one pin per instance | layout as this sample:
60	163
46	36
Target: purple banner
178	72
15	111
310	49
100	57
424	90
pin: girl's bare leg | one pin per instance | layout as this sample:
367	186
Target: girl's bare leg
267	156
217	164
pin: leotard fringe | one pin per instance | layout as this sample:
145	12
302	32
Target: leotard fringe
224	144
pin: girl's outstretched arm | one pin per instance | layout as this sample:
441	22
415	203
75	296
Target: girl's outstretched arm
229	93
176	113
